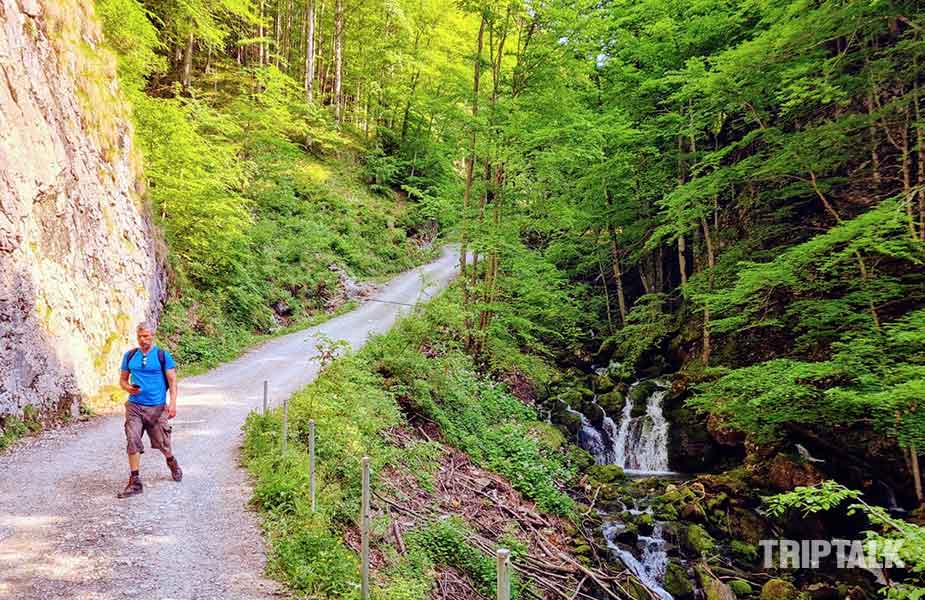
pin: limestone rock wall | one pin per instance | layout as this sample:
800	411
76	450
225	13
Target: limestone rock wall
79	258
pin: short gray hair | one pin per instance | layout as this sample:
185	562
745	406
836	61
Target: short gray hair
147	326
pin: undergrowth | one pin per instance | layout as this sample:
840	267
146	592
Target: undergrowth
418	369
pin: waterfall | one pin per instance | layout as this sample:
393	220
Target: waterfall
642	442
638	444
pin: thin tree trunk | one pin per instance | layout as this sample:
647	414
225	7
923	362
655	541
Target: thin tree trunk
682	259
600	266
917	474
188	62
615	257
338	60
907	176
310	51
261	33
920	155
711	263
872	133
470	162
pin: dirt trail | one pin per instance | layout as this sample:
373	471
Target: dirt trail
63	534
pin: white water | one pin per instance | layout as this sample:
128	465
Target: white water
638	444
650	566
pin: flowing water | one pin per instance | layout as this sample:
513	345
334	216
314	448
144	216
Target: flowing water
652	562
638	444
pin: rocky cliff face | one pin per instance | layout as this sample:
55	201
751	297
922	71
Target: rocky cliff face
79	261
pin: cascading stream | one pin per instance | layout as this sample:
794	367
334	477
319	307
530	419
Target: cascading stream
638	444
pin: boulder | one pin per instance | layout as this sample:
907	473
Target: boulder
606	473
677	582
696	540
778	589
569	420
639	396
612	402
594	413
740	588
785	473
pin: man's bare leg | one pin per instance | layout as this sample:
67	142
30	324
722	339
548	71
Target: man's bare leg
134	461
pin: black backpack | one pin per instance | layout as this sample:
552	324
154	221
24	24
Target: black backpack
160	358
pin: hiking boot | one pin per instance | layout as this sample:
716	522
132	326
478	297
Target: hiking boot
132	488
175	471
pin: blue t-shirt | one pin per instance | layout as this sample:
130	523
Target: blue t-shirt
146	372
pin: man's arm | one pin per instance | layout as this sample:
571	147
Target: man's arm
172	405
125	385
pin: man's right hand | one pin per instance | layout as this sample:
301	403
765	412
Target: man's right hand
134	390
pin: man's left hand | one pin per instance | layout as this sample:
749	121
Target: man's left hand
171	410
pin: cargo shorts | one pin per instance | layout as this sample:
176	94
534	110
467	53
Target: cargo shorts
146	419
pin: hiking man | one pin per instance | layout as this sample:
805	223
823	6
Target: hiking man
148	373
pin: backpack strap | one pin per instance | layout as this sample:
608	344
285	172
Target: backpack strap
128	361
163	360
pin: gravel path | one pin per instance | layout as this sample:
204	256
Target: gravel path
64	535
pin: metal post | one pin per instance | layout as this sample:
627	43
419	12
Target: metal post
504	574
311	463
285	425
364	532
265	396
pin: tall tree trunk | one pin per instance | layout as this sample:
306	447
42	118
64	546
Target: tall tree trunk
917	475
920	156
615	257
277	26
872	134
310	51
261	33
338	60
711	263
470	162
682	259
188	62
906	159
600	267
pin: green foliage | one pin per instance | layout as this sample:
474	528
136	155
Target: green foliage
13	428
445	543
647	326
356	400
907	538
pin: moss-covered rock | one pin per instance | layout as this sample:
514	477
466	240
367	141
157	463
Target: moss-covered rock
568	419
581	458
646	523
677	582
778	589
747	526
606	473
612	402
583	550
603	384
741	588
696	540
666	512
744	551
639	396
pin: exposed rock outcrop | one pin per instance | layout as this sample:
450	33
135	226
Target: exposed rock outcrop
79	259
